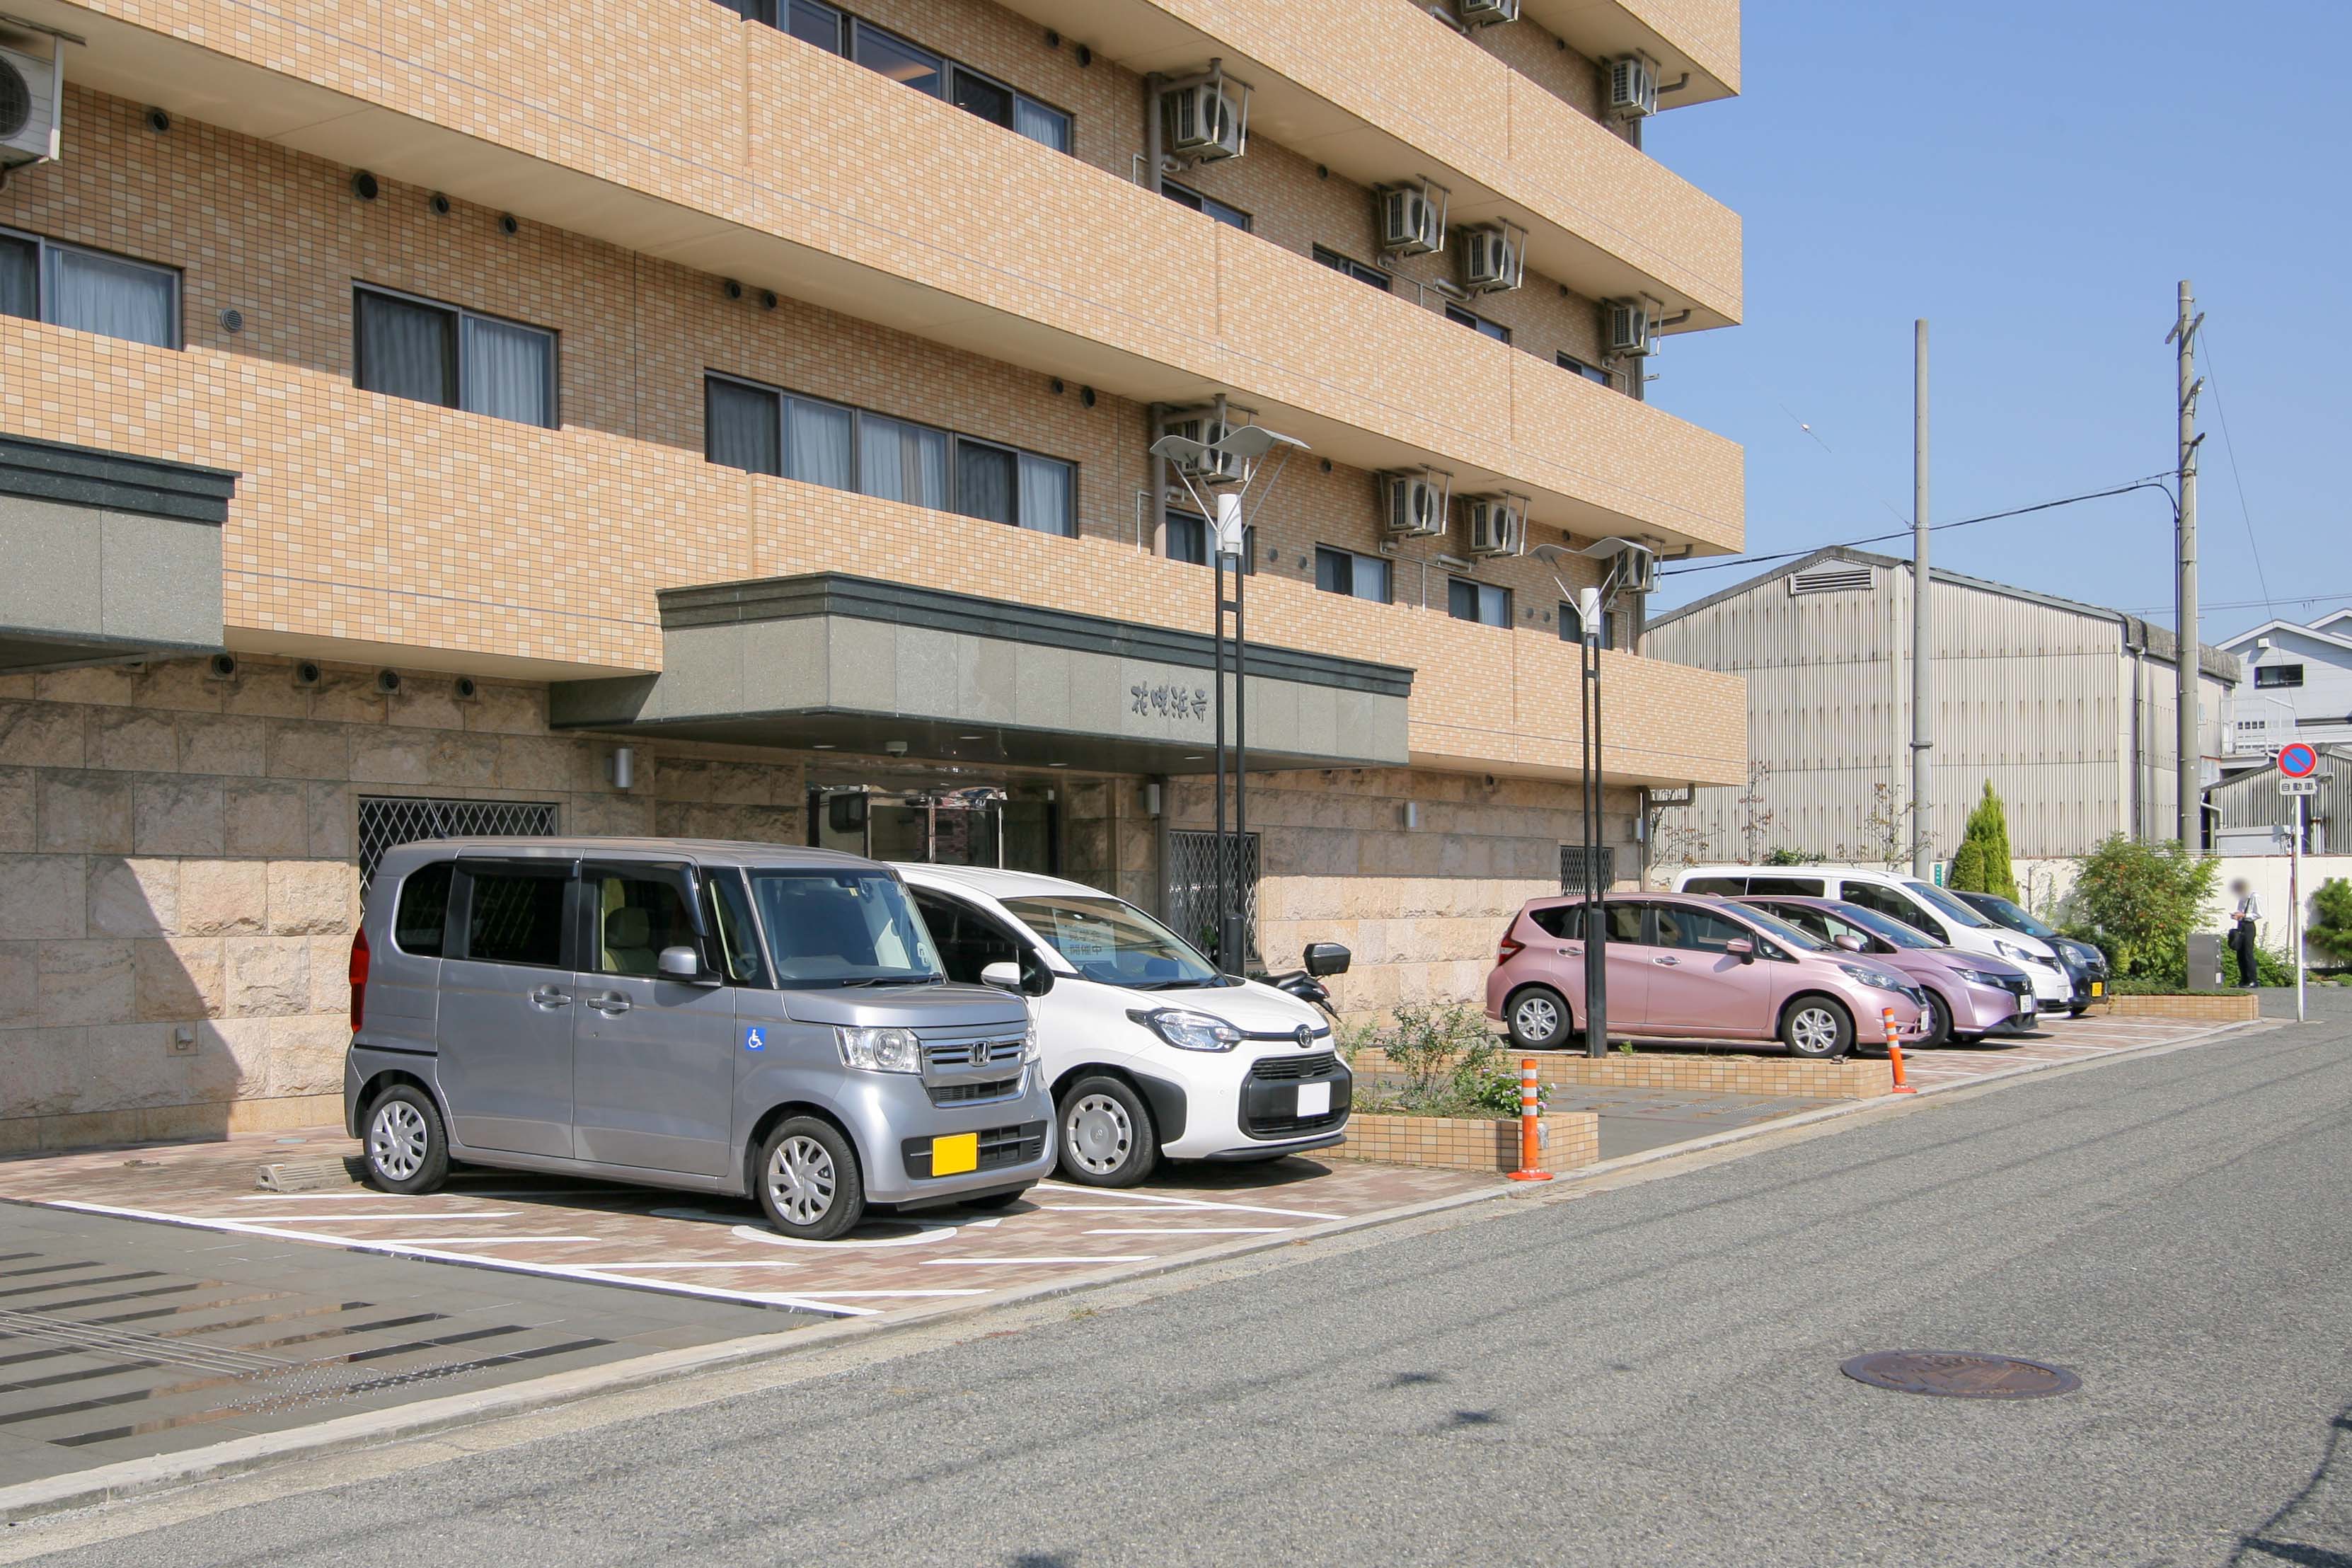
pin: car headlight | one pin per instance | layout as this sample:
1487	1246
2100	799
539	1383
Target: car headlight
1981	977
879	1051
1031	1050
1876	979
1190	1031
2016	954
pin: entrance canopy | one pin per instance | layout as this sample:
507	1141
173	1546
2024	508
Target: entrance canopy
110	557
867	667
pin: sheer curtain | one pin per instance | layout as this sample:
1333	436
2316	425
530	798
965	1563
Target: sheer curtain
120	299
899	461
20	293
741	428
984	482
1045	502
507	372
820	439
1039	123
404	349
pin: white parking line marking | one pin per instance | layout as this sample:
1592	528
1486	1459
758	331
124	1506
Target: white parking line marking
960	1262
1200	1230
1186	1204
278	1216
746	1263
477	1240
864	1295
770	1238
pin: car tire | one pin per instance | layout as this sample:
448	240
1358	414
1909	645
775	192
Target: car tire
1939	1019
2078	1012
404	1146
1103	1133
1537	1018
994	1200
808	1180
1817	1028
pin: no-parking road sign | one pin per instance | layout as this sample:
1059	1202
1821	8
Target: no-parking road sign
2298	761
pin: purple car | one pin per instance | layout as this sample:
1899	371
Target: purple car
1972	995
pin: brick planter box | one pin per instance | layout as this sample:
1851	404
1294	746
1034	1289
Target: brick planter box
1781	1078
2236	1008
1571	1138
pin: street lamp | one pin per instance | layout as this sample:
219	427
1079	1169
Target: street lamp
1228	468
1630	564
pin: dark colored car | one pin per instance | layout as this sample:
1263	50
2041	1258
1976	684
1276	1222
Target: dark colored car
2086	966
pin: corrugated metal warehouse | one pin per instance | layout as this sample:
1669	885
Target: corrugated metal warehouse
2250	801
2067	707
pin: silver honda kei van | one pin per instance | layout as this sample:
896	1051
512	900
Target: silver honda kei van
735	1018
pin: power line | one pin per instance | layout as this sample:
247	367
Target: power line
2153	482
2213	371
2263	604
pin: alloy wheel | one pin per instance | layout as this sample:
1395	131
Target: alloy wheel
1537	1018
1815	1031
396	1140
1098	1134
801	1180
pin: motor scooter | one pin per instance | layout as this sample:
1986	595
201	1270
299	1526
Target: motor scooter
1321	958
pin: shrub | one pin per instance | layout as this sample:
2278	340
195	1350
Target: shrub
2143	899
2332	929
1450	1059
1981	864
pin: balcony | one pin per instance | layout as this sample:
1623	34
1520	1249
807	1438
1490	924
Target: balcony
375	530
643	134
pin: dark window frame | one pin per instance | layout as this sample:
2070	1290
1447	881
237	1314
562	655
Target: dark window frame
458	314
1479	590
1361	271
44	247
461	903
1201	202
1584	368
1477	323
1569	612
1352	557
2281	672
847	25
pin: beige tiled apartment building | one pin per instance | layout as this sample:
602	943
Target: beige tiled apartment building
446	414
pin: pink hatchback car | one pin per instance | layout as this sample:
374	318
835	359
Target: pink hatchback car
1687	967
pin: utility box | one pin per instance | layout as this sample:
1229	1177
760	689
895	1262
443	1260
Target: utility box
2205	972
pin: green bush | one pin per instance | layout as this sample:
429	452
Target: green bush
1981	864
1450	1060
2332	929
2143	901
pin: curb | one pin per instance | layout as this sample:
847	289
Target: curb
136	1478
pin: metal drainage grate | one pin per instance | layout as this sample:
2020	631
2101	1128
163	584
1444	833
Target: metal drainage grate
1961	1374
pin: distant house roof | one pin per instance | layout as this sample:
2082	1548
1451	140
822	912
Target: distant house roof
2342	639
2158	642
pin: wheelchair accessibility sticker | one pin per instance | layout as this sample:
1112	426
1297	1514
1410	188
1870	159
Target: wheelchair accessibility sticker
754	1037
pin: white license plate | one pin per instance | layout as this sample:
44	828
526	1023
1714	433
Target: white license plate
1314	1100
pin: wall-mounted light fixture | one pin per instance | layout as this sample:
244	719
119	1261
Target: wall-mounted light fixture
625	766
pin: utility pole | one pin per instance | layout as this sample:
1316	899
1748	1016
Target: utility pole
2189	757
1923	646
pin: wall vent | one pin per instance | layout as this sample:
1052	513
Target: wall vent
1833	580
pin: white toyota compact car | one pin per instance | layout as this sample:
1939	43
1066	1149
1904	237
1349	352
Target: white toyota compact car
1149	1052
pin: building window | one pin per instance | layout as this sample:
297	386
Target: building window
429	352
1187	537
1352	267
1356	576
1591	372
936	75
1186	196
1480	325
1481	602
2277	674
88	291
768	431
1571	625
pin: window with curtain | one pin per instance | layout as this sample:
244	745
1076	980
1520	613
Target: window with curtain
1571	625
899	461
986	482
442	355
1352	267
743	427
1186	196
1479	324
1481	602
1048	503
1040	123
88	292
821	443
1348	572
1187	537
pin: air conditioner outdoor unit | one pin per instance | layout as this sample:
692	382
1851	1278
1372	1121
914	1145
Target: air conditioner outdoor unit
32	105
1412	504
1206	118
1204	427
1633	327
1486	13
1412	218
1497	524
1493	258
1633	87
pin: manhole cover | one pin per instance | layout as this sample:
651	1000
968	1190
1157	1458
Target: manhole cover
1961	1374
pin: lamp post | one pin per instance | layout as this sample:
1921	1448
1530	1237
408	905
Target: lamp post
1228	468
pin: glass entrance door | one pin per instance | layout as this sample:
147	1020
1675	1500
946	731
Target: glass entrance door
978	826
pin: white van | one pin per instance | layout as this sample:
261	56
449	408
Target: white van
1920	905
1149	1052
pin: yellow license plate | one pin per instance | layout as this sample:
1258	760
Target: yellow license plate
2098	988
954	1156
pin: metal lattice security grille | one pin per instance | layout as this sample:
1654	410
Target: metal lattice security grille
1193	887
389	821
1571	867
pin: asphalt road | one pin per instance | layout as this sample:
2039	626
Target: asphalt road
1648	1375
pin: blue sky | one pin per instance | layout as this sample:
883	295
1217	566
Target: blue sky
2034	179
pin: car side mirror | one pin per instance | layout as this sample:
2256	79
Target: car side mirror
1848	940
1004	974
1740	948
1323	958
682	962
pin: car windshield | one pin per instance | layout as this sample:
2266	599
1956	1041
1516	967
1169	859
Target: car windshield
2008	914
1934	897
843	928
1886	927
1781	931
1113	943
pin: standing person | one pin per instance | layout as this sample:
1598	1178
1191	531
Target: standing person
2244	918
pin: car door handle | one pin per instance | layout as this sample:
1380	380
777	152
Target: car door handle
549	996
1669	961
1573	951
610	1003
